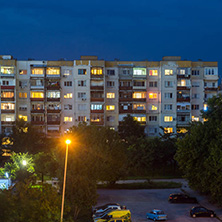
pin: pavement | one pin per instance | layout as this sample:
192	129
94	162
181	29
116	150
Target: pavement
202	199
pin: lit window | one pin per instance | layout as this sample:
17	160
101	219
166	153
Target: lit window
139	95
53	94
153	72
205	107
96	107
152	95
82	118
23	72
139	71
140	118
182	130
53	71
7	70
37	71
37	95
139	106
95	118
195	119
153	107
22	95
97	71
168	118
110	95
68	96
8	119
25	118
110	107
7	94
67	119
67	72
168	130
7	106
168	72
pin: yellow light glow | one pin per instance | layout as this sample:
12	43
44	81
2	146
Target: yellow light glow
68	142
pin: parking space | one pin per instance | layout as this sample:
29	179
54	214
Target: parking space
142	201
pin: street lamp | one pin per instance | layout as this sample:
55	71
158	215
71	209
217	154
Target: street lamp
24	162
64	181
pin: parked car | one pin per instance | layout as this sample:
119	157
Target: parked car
181	198
119	220
103	208
156	215
200	211
123	214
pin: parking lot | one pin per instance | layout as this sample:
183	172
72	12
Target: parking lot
142	201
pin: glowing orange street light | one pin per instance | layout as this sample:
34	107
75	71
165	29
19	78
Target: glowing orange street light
64	181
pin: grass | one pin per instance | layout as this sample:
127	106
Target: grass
145	185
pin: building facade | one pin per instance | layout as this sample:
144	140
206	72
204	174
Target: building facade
55	95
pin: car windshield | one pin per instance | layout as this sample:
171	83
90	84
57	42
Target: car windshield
160	212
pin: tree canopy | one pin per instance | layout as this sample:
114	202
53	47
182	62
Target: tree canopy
199	153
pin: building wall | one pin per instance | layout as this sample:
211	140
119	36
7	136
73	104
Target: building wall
56	95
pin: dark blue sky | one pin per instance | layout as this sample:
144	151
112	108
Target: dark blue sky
124	29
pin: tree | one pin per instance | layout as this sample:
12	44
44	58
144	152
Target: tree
199	152
17	168
30	203
130	130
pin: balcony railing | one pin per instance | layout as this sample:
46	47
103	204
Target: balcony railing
125	99
53	110
97	87
8	99
94	99
97	111
37	111
183	87
139	100
53	99
37	99
99	123
139	111
7	111
7	122
7	87
125	88
183	99
50	122
37	122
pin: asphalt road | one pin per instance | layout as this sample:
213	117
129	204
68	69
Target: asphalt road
142	201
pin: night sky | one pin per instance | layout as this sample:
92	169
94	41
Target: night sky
124	29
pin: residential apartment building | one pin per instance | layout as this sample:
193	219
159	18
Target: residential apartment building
56	95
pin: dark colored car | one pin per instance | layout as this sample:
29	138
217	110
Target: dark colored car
200	211
181	198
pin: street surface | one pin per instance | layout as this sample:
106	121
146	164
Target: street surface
142	201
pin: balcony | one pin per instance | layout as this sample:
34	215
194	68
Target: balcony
50	122
125	88
7	111
99	123
139	100
53	134
93	99
183	87
181	76
4	75
53	110
37	99
210	88
125	99
139	111
37	122
53	87
97	87
8	99
129	110
53	99
183	123
97	111
183	99
37	111
7	87
8	122
37	87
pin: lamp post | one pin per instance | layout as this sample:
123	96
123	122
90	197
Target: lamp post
64	181
24	162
